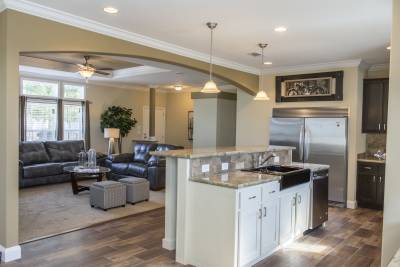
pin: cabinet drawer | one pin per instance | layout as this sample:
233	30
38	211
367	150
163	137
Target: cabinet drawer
250	198
368	168
270	190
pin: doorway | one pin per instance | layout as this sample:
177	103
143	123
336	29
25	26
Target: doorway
159	124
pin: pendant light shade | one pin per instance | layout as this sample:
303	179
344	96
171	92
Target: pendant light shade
261	95
211	87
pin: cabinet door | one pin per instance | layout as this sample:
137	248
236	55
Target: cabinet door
287	203
302	204
269	226
249	235
372	106
385	104
380	188
366	190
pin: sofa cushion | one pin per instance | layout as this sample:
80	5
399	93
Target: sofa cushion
68	164
63	151
119	168
33	153
137	169
141	152
44	169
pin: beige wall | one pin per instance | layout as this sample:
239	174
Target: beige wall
254	117
205	122
391	214
26	33
178	106
103	97
384	73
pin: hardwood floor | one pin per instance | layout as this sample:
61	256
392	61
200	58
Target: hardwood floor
350	238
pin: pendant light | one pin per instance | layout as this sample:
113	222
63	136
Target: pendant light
210	87
261	95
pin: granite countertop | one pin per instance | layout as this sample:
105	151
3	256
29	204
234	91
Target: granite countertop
193	153
312	166
364	157
236	179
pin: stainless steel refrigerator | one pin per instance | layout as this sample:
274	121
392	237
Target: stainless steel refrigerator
320	136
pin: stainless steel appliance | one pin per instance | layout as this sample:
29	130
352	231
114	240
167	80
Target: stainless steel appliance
319	198
320	136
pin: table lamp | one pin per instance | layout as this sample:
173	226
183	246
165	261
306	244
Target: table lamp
111	134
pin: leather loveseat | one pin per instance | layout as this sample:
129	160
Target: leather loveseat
141	164
42	163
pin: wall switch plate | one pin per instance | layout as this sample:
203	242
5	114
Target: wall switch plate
276	159
239	165
205	168
225	166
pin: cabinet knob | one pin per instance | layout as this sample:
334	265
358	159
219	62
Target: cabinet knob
379	126
260	215
380	179
373	178
265	211
299	199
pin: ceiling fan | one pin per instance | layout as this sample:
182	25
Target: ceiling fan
87	70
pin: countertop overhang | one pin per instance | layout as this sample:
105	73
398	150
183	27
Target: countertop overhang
194	153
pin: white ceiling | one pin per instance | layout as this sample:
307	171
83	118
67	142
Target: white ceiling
318	31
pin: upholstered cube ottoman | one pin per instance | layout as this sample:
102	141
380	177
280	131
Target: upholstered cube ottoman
107	195
137	189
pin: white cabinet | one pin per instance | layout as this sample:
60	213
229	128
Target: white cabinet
269	226
293	212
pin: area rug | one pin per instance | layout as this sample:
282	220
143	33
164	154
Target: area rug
53	209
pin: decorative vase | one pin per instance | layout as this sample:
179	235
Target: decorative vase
92	158
82	159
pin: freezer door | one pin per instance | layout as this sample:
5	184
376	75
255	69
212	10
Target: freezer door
288	132
326	143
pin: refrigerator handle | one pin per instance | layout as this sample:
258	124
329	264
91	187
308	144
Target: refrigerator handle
301	143
307	134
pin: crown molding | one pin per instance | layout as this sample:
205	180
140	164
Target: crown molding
315	67
379	67
94	26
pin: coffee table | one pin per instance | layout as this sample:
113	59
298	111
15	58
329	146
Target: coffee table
98	173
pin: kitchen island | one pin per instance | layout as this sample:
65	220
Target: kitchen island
217	215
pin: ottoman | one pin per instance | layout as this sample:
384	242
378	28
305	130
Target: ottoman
107	195
137	189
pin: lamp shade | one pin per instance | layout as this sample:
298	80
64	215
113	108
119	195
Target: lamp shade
111	133
210	87
261	96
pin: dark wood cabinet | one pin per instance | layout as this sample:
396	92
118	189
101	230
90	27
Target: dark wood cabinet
375	105
370	185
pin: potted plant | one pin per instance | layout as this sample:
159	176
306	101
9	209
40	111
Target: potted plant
118	117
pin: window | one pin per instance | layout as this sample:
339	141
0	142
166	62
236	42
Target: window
43	100
41	120
40	88
73	121
72	91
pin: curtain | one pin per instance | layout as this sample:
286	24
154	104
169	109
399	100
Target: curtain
60	120
22	106
86	105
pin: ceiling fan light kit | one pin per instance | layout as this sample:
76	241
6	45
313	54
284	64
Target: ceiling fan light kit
211	87
261	95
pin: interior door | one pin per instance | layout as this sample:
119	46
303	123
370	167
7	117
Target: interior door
269	226
160	123
288	132
326	143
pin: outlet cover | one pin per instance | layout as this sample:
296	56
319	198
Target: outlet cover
239	165
276	159
225	166
205	168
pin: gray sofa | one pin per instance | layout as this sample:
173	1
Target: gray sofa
42	163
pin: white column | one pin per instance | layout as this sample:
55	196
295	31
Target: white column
169	241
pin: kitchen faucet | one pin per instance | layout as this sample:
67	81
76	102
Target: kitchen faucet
272	155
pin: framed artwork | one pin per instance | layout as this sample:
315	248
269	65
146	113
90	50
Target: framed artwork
325	86
190	125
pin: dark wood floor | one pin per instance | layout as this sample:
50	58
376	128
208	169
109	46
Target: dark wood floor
351	238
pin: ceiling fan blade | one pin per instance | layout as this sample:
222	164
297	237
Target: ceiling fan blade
102	72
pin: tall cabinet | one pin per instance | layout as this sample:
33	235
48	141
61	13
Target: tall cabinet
375	105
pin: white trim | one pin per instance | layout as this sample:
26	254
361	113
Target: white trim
94	26
315	67
351	204
379	67
10	254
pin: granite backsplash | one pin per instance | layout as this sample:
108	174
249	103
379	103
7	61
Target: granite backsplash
236	162
376	142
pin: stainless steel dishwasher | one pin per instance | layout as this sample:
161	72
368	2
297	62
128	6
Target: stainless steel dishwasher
319	198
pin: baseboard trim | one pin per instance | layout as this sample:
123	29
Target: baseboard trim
351	204
168	244
10	254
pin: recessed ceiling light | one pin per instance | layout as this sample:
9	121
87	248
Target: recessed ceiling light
267	63
178	87
280	29
389	47
110	10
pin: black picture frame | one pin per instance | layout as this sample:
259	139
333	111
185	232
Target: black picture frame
338	96
190	125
